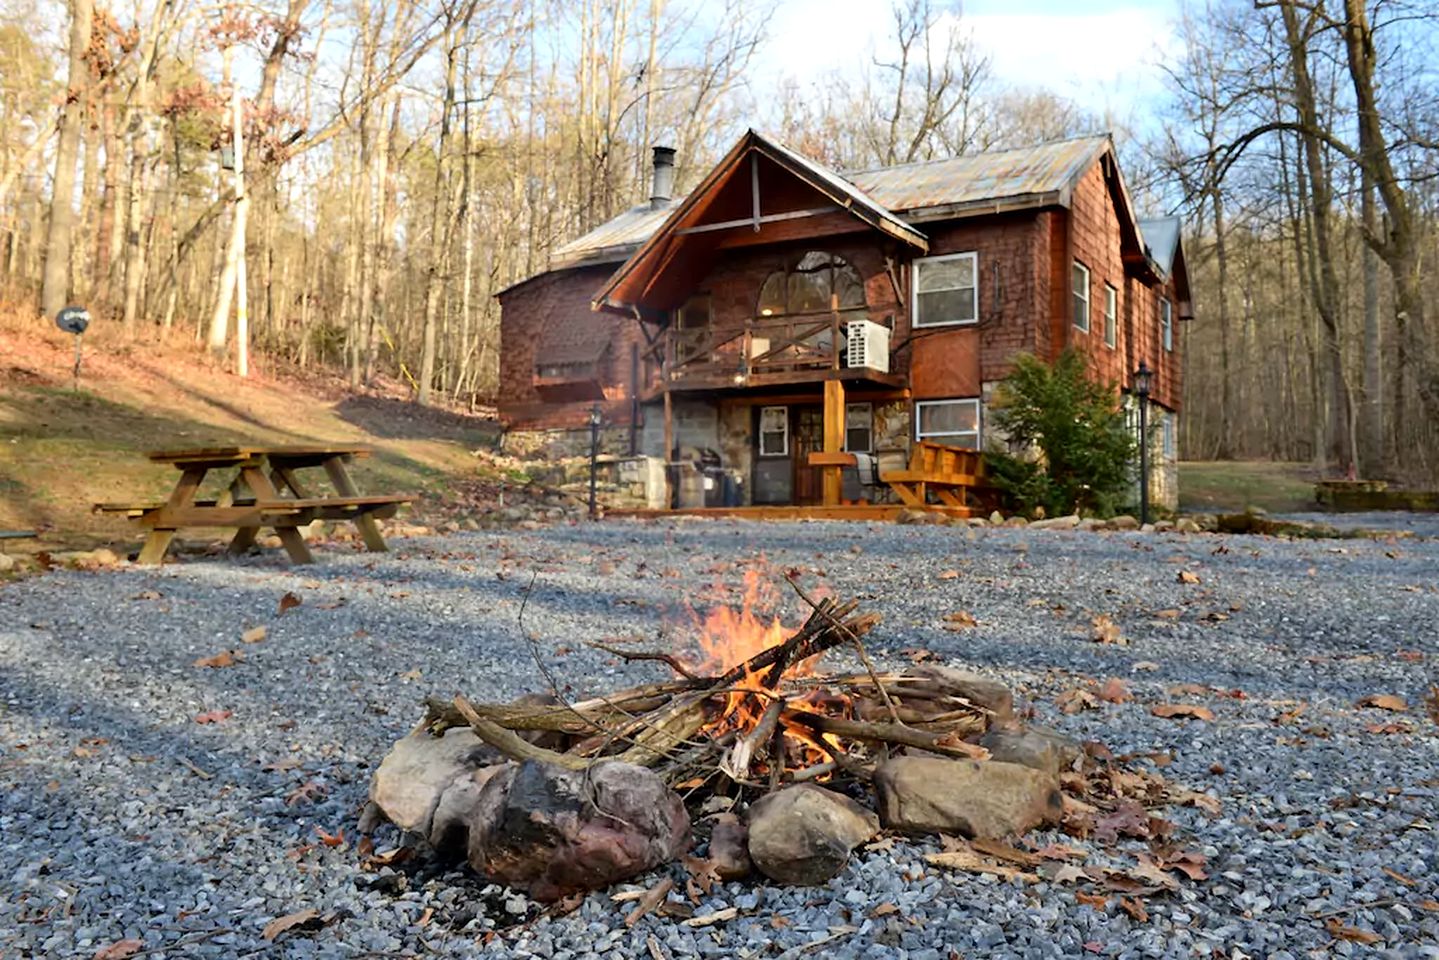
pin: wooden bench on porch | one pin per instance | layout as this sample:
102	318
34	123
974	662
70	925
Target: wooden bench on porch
954	475
256	498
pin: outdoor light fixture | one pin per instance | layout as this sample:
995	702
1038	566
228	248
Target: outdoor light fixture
1143	382
594	455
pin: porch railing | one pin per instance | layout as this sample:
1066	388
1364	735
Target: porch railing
787	344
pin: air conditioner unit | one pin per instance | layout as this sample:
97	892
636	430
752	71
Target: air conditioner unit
868	345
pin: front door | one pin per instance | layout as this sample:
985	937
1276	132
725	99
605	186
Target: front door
808	438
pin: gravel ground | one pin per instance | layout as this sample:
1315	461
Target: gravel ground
122	816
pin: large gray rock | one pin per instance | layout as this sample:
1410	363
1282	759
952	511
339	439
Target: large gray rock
978	799
804	833
419	768
1056	523
554	832
990	694
1037	747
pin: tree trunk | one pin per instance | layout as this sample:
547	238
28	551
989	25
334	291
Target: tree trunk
55	285
439	222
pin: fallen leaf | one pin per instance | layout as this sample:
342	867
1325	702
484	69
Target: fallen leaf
289	601
1383	701
120	949
146	595
1341	931
1169	613
1096	900
1431	704
1135	908
225	658
1187	576
705	920
254	634
1105	630
1075	700
1003	851
330	839
1129	819
1114	691
960	620
215	716
883	910
918	654
1056	872
1173	710
289	921
1191	863
948	575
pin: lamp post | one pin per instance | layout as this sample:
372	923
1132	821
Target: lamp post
1142	384
594	454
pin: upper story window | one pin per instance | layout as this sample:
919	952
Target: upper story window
1166	324
1111	316
817	282
1081	297
946	290
695	313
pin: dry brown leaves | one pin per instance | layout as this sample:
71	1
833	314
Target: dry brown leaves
1170	711
1342	931
120	949
1383	701
214	716
289	601
1075	700
947	575
1105	630
960	620
254	635
225	658
1114	690
301	919
1431	704
335	839
1187	576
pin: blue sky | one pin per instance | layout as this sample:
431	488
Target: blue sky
1101	53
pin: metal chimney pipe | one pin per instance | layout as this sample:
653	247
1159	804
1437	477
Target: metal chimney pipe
663	187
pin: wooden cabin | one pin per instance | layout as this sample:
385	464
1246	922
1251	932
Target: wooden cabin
781	308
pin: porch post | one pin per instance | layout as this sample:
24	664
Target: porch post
833	439
669	449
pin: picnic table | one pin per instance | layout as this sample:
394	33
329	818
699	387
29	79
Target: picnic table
264	491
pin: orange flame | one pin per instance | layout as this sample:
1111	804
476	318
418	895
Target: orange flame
730	636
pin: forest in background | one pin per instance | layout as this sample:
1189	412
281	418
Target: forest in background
400	162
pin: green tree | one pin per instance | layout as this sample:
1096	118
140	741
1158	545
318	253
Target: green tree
1069	448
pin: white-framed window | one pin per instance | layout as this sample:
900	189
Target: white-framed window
858	427
1166	324
946	290
1081	297
954	423
1111	316
774	431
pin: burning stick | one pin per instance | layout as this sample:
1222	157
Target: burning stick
737	760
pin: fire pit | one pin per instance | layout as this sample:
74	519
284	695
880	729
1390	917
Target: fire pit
785	768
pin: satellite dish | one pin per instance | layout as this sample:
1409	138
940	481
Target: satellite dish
73	319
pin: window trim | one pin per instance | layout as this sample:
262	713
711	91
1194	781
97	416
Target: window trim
760	433
870	407
915	322
1166	324
1111	316
978	430
1077	296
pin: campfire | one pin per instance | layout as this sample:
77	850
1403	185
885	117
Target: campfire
752	712
785	766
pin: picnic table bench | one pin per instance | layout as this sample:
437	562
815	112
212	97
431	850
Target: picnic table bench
265	491
952	474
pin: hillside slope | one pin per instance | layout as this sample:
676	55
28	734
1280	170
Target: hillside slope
62	450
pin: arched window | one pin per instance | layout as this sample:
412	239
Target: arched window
817	282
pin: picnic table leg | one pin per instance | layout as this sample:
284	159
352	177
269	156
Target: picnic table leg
345	487
244	537
157	543
289	534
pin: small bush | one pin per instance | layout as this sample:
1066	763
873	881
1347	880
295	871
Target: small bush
1070	449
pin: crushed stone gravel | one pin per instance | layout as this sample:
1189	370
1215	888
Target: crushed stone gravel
145	797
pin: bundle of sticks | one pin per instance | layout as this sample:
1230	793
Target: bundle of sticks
761	723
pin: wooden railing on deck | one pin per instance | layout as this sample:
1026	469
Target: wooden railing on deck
807	341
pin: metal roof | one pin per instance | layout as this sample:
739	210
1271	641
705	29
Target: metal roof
1039	174
982	177
1161	236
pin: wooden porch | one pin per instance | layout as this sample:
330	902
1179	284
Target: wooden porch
884	513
